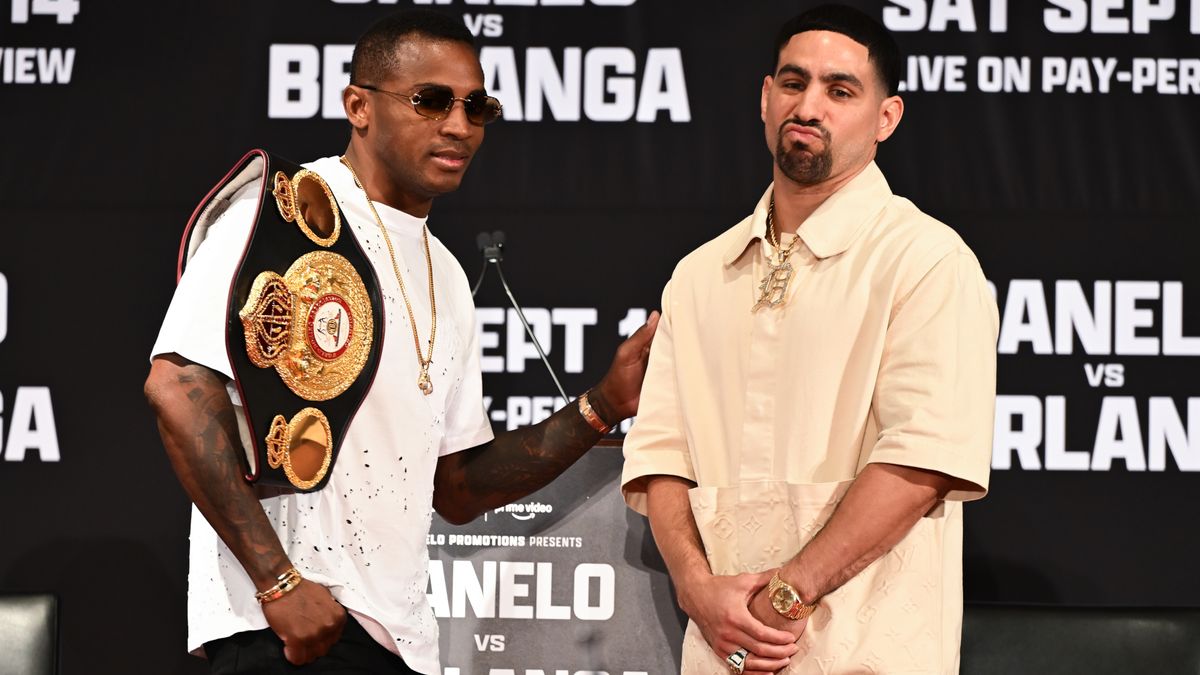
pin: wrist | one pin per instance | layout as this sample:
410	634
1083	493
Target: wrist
692	576
690	584
794	576
785	599
602	406
266	576
285	583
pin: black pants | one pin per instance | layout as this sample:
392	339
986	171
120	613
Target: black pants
260	652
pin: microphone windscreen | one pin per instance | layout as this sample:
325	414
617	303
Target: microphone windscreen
483	240
498	237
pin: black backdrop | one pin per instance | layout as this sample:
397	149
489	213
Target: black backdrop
1076	186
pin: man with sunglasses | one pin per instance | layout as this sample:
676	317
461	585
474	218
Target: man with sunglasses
336	578
820	397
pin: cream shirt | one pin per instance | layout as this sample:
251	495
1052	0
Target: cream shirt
362	535
884	351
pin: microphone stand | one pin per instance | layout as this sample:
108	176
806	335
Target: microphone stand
492	247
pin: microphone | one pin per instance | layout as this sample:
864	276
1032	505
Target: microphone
493	250
491	246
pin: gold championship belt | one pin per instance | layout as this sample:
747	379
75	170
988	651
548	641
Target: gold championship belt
303	329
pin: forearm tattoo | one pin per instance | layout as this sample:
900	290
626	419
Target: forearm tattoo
200	432
517	462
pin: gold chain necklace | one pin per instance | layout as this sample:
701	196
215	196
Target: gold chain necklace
773	289
423	382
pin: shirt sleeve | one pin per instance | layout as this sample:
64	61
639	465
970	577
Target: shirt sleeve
656	444
194	327
935	398
467	423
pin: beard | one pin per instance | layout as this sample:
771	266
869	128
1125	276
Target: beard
800	164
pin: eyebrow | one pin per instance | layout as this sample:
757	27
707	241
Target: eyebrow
828	78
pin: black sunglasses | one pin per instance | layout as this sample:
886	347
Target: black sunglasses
435	102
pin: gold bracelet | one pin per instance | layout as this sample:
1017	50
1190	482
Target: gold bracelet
287	582
590	415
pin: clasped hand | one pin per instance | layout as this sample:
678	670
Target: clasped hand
734	612
308	621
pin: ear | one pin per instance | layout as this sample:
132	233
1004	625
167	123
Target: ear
762	103
357	105
890	112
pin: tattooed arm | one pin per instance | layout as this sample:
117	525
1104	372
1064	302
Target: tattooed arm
200	434
522	461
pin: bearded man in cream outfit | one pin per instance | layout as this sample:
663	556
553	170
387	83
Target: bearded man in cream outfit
820	396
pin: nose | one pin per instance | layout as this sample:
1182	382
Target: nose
808	105
456	124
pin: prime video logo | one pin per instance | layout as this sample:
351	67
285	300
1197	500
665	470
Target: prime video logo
526	511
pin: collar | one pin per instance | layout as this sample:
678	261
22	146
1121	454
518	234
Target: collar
833	227
398	223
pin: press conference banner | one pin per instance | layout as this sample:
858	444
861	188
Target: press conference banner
1058	137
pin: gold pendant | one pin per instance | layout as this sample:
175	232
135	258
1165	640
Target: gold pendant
424	383
773	288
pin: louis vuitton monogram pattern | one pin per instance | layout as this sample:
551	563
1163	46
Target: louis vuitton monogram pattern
885	620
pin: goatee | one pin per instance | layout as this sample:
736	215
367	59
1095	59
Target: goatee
799	163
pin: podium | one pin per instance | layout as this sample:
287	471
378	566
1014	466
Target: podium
566	580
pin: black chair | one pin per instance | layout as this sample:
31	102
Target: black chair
1031	640
28	634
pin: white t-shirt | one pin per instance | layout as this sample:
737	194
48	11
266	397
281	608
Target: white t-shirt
363	535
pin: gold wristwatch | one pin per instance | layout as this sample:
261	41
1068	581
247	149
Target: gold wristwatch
787	601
